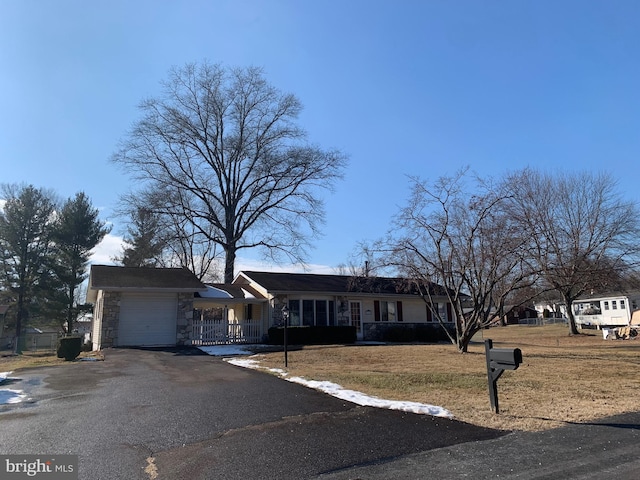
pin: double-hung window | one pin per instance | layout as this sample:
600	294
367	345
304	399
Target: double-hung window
386	311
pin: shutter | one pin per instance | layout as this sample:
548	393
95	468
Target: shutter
429	313
376	310
399	311
449	314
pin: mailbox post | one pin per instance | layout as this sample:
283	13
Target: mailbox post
499	360
285	318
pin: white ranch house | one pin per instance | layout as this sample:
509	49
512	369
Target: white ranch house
160	307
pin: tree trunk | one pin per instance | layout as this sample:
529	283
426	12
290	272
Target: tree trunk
229	264
573	328
70	311
17	347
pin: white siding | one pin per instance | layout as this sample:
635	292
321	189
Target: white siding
96	336
147	320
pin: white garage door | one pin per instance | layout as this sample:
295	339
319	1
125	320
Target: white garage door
147	320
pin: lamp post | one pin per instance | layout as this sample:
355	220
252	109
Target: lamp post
285	317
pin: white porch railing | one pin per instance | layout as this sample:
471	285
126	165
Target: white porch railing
222	332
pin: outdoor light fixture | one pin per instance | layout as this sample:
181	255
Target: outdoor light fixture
285	318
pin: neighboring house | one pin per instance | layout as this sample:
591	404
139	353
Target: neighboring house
84	326
519	314
141	306
42	338
606	310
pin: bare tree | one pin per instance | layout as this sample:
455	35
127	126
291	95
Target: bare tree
584	235
159	236
187	247
225	147
464	243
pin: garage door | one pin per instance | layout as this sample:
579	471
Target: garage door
147	320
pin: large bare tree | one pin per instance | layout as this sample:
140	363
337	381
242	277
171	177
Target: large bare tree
584	234
225	149
465	243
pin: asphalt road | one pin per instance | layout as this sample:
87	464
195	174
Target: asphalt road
172	415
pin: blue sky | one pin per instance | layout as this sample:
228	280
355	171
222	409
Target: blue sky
403	87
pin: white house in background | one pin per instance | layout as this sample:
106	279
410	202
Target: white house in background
606	310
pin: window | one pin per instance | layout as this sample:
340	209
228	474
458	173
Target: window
606	305
387	311
321	312
294	312
622	307
614	305
312	312
443	311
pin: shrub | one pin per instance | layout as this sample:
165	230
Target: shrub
320	335
69	348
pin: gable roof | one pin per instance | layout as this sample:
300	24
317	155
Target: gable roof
114	278
277	282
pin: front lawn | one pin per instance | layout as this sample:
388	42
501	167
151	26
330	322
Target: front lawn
562	379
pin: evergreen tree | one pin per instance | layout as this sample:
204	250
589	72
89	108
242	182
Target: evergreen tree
76	232
144	239
25	245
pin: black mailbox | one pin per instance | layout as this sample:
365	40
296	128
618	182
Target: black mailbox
499	360
505	358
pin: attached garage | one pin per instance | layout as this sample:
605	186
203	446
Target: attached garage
147	320
142	307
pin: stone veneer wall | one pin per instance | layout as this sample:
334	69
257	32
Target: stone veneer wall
184	325
110	317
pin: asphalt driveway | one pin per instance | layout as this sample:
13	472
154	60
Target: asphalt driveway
175	415
144	414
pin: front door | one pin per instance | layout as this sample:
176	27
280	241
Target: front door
355	309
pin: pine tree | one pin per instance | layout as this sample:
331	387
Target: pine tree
76	232
144	240
25	246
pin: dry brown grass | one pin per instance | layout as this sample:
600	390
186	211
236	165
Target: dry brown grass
562	379
11	363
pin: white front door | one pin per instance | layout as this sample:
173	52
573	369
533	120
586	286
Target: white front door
355	309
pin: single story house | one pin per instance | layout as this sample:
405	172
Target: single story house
373	305
612	309
147	306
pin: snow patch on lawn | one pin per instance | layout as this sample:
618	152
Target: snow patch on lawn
330	388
